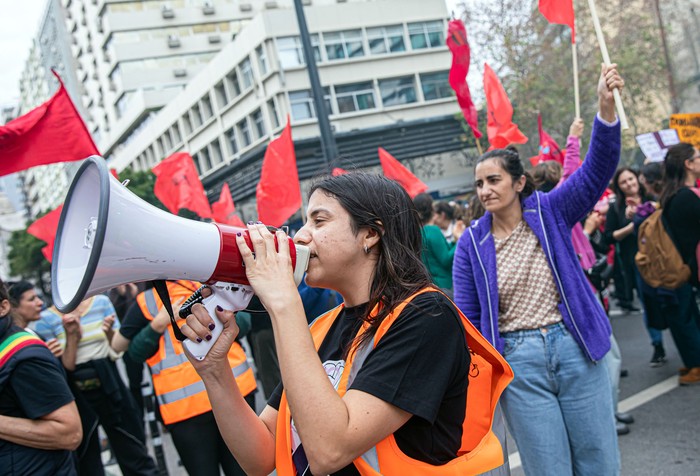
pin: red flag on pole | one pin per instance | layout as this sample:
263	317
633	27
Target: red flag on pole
395	171
51	133
178	185
500	127
224	211
278	193
549	149
561	12
457	42
45	229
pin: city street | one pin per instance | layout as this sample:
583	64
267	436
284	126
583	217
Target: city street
663	440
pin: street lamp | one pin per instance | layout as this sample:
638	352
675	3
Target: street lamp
328	145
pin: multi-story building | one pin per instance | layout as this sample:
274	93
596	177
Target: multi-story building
45	186
383	65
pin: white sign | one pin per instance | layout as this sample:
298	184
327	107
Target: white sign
655	145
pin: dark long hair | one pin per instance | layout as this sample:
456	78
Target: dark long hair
6	320
509	160
619	194
375	202
674	170
424	206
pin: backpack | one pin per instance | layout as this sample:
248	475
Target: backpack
658	259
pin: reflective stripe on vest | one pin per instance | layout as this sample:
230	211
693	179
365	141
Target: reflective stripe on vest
196	387
483	449
179	390
172	359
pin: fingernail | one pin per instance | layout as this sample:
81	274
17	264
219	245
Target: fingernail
220	309
212	326
250	222
208	338
259	222
239	234
199	340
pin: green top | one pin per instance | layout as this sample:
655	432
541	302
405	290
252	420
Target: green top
437	255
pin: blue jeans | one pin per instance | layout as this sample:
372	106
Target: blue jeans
654	334
559	406
613	360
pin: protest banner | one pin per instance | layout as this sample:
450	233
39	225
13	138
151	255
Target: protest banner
687	126
654	145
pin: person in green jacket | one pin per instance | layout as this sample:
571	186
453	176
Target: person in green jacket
437	252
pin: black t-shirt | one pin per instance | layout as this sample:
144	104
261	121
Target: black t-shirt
682	214
36	388
420	365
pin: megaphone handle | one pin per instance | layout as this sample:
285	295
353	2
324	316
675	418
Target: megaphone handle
231	297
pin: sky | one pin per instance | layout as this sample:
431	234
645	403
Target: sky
19	24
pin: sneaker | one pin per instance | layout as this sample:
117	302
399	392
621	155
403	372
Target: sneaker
683	371
659	357
691	378
621	428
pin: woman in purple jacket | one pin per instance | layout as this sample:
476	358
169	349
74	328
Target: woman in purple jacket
518	279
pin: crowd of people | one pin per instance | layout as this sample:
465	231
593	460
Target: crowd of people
421	332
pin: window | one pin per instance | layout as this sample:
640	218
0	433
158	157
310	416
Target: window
244	131
302	105
247	73
386	39
187	122
397	91
161	148
167	142
355	97
175	133
291	53
215	152
262	59
344	44
274	116
233	83
435	85
205	107
204	159
259	123
232	140
196	115
426	34
221	95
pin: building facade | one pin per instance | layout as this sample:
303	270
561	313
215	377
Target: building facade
383	65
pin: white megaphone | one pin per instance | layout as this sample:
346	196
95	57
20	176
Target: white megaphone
107	236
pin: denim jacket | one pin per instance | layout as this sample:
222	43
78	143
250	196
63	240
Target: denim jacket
551	217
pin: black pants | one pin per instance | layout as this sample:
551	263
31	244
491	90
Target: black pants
124	429
201	447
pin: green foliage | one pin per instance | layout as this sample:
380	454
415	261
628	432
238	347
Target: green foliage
534	61
142	183
27	261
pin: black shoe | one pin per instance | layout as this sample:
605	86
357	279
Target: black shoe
626	418
621	428
624	373
628	306
659	357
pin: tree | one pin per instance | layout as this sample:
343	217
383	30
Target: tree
142	184
27	261
534	61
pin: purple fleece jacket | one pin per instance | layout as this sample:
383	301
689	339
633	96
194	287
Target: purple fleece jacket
551	217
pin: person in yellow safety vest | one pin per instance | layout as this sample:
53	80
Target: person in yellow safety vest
182	398
395	381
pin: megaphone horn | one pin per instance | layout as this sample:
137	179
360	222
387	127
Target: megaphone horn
107	236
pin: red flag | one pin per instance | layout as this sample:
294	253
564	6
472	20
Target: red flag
395	171
500	127
561	12
457	42
178	185
114	173
51	133
278	193
45	229
549	149
338	171
224	211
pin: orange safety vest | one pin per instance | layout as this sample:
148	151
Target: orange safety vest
179	389
483	449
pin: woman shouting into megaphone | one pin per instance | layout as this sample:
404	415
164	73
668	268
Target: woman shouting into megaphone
378	385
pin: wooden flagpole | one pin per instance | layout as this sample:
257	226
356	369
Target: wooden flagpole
478	146
577	101
606	58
